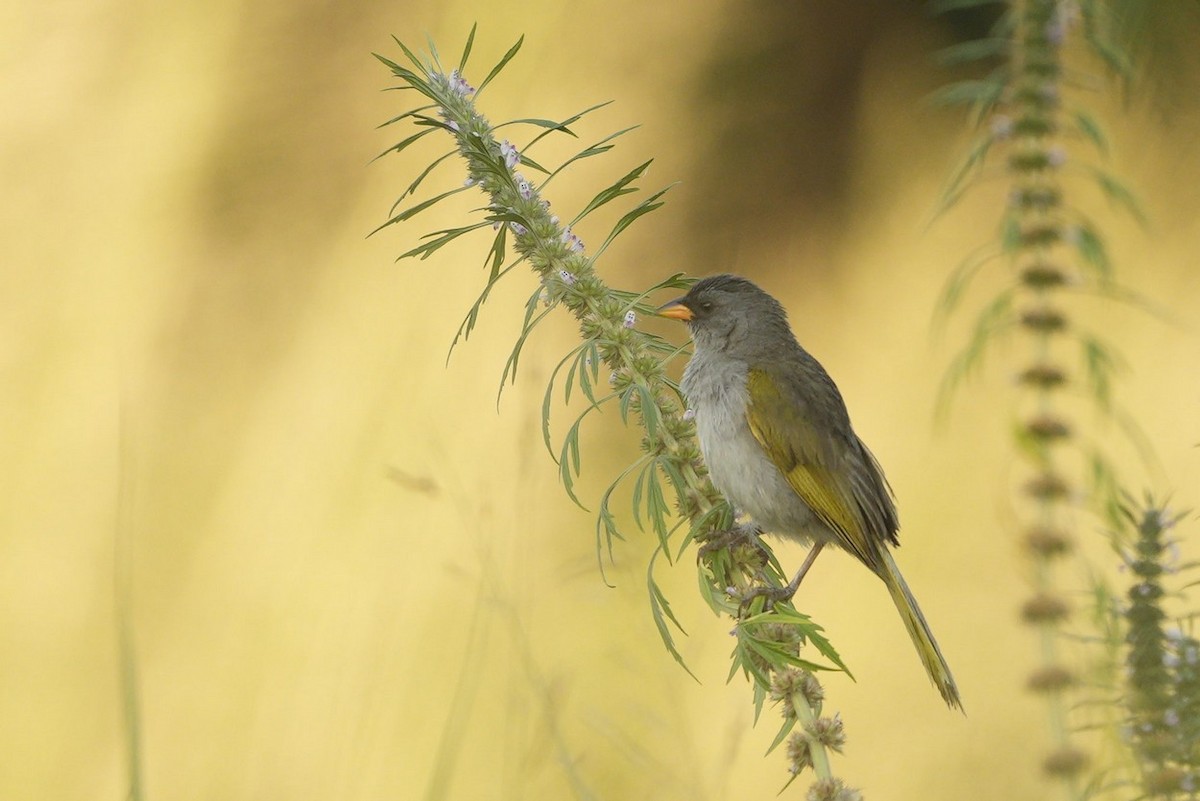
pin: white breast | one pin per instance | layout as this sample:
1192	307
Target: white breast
739	468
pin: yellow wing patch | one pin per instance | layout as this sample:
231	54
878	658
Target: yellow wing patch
798	450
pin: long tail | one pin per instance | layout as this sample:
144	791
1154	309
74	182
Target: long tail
918	629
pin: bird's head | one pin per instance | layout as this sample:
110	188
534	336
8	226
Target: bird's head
730	314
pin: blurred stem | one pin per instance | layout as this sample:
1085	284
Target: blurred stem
123	592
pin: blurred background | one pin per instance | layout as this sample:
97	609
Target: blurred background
349	575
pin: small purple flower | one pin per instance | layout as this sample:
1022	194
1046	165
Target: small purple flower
630	319
469	182
1056	156
1002	126
1171	717
459	85
523	187
511	157
518	229
567	278
1066	15
453	125
554	219
689	415
573	243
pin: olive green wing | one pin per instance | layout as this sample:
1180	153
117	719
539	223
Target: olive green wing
810	461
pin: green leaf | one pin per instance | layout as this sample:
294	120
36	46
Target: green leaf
573	357
648	410
446	237
495	254
1091	250
657	509
1091	130
1010	234
468	323
596	149
396	148
942	6
424	68
512	51
462	62
510	366
528	162
645	207
968	168
995	318
562	126
406	114
639	486
660	610
610	193
981	95
420	207
568	460
960	280
605	518
589	374
789	723
437	62
973	50
1100	365
413	186
1118	193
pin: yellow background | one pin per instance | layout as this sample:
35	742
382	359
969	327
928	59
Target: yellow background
350	576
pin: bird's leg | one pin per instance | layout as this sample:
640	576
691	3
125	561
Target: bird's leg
775	595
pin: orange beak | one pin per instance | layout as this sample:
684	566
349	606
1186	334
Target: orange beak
675	310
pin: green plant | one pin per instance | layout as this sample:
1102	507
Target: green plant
616	363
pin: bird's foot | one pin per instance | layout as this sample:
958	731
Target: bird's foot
774	595
738	534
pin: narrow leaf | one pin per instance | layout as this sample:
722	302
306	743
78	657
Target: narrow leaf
614	191
596	149
462	62
512	51
396	148
429	248
420	207
468	323
1091	130
562	126
660	610
972	50
413	186
645	207
406	114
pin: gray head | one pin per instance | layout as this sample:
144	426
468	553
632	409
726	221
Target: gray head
730	314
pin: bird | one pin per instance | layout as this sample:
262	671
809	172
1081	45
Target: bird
776	438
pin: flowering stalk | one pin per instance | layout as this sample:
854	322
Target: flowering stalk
1162	665
1052	250
1036	156
731	566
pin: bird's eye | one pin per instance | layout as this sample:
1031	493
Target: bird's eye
706	306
